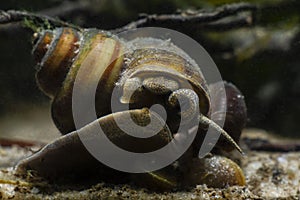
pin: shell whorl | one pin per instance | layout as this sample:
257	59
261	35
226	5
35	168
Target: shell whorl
60	59
54	52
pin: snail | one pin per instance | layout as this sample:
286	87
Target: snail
141	77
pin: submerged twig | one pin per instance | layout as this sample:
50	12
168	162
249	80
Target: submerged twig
209	20
196	18
258	144
11	16
238	22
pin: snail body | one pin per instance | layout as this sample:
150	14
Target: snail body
144	71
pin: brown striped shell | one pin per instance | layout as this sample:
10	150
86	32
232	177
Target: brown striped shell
61	52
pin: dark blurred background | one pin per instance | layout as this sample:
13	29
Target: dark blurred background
262	60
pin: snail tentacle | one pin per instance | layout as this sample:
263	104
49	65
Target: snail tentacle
208	122
187	101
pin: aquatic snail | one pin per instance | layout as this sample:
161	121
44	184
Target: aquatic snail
143	77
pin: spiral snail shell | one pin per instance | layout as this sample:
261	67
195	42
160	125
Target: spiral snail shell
143	77
60	53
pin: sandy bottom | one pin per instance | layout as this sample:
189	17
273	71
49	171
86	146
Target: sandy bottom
268	176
